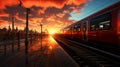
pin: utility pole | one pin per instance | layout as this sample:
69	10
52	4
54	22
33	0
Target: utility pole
41	35
13	34
26	29
41	29
26	34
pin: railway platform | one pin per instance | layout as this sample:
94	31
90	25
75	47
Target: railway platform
44	52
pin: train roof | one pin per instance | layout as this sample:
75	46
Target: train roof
102	11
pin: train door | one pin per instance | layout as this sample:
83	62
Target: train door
84	31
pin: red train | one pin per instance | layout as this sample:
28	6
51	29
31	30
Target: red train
103	26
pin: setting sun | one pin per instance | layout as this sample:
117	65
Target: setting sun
51	31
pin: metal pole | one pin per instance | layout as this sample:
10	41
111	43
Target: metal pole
26	35
13	34
41	30
41	35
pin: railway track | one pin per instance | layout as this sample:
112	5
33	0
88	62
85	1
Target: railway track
87	56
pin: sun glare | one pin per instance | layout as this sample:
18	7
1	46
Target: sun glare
52	32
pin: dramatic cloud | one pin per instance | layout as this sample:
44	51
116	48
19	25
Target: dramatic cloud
66	11
4	3
41	3
60	15
54	14
77	2
4	15
4	23
18	18
51	18
44	3
35	21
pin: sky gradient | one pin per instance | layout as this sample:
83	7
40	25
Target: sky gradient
53	14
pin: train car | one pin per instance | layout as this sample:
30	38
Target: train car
76	30
67	31
103	26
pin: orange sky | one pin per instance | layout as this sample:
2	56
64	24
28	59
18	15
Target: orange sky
53	14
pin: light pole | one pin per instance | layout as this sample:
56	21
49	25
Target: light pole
26	29
13	33
41	25
26	34
41	29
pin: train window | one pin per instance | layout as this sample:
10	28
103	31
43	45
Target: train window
101	26
105	25
75	28
93	27
71	28
101	22
78	29
84	26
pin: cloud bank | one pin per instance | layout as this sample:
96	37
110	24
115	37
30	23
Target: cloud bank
52	13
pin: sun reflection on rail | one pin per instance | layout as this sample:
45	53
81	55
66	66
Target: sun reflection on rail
51	39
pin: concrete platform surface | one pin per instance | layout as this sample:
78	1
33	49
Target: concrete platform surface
44	52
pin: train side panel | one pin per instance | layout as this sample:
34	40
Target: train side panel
77	32
110	36
118	26
104	24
